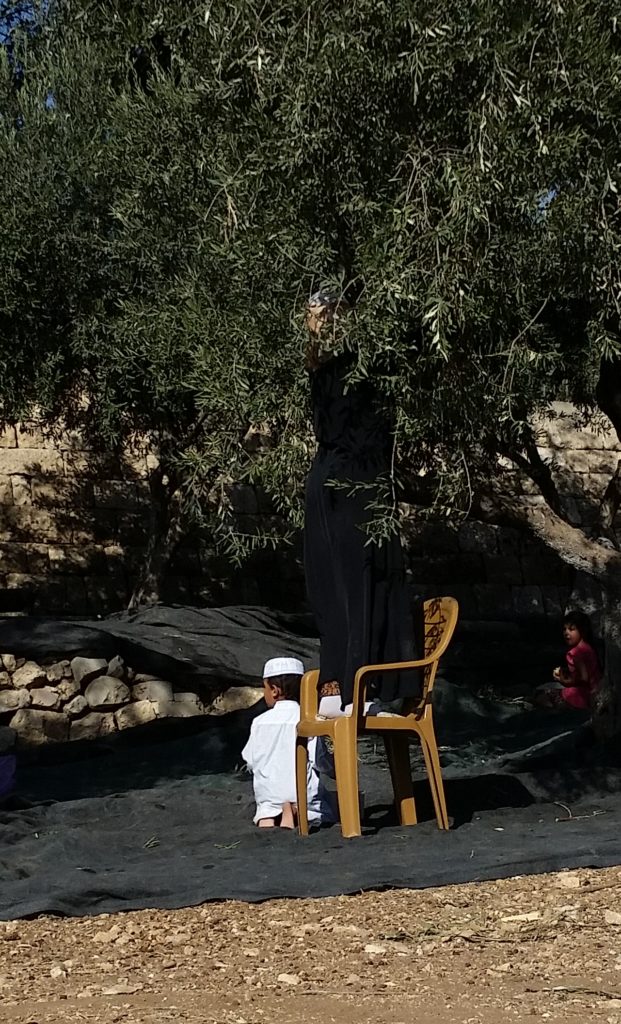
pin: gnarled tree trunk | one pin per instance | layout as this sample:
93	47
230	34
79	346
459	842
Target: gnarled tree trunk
164	531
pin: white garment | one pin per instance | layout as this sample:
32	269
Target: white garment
323	806
270	756
330	707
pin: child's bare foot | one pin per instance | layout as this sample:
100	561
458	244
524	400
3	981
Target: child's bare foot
266	823
289	814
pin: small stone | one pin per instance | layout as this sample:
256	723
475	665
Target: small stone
139	713
9	661
84	670
531	915
92	726
116	668
109	935
35	727
29	675
68	689
374	949
236	698
5	681
45	697
123	989
11	700
288	979
106	692
191	700
612	917
568	880
76	707
57	972
153	690
55	672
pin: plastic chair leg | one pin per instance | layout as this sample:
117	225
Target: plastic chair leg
301	771
434	771
398	754
346	770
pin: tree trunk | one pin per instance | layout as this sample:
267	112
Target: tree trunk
163	536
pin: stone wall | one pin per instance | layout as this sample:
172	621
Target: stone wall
74	524
89	698
74	527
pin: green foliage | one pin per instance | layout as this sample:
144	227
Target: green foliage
205	166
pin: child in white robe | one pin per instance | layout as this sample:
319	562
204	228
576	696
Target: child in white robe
270	752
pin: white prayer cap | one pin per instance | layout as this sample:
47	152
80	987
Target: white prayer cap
283	667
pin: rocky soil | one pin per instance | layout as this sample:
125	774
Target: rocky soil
546	948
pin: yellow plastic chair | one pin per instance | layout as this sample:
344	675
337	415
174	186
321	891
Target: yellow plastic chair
440	619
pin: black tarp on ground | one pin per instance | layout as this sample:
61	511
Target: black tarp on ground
159	817
164	820
182	644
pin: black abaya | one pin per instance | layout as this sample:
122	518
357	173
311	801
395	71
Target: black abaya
356	587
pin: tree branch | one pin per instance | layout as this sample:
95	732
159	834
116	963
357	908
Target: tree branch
536	470
569	542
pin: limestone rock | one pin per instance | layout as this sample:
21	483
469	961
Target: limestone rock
191	700
5	681
11	700
236	698
153	690
86	669
92	726
174	709
7	739
67	689
106	692
56	672
46	697
29	675
140	713
9	661
116	668
76	706
35	727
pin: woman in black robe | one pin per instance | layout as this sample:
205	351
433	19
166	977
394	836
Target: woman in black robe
356	586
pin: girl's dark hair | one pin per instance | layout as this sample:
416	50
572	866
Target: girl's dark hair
582	622
289	686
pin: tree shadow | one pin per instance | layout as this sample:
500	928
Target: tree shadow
464	797
76	530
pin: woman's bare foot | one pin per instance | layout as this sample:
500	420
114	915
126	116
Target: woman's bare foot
266	823
289	815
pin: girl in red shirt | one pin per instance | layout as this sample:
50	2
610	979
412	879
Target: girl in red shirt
581	674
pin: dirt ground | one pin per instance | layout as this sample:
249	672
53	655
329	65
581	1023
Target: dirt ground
545	947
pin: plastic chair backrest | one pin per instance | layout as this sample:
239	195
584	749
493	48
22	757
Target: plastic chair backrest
440	621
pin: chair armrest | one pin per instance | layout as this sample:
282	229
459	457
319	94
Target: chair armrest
309	695
398	666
